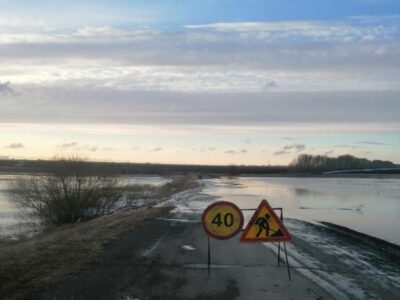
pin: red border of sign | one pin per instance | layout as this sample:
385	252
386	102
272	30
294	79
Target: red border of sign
287	236
234	206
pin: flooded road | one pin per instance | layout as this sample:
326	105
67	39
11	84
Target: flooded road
341	265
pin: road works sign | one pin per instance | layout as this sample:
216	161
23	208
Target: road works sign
222	220
265	226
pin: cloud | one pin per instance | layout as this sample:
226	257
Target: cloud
233	152
6	89
78	147
156	149
281	152
312	30
60	105
69	145
270	85
287	149
15	146
230	152
373	143
90	148
297	147
352	147
209	149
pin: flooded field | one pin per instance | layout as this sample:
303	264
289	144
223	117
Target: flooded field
12	223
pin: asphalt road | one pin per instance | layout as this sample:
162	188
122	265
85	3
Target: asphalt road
166	258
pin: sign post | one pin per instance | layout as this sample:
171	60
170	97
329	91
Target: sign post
223	220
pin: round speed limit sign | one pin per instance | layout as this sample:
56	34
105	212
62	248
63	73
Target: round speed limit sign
222	220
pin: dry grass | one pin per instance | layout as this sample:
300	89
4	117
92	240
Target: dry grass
34	264
31	265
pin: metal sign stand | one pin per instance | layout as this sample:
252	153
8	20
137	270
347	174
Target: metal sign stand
209	254
284	245
279	246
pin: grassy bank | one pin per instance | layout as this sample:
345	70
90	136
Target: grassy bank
62	251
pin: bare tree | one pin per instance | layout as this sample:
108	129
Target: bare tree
73	192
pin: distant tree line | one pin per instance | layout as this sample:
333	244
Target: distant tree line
51	166
311	163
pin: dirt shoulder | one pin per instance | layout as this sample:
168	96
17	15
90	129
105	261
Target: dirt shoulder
29	266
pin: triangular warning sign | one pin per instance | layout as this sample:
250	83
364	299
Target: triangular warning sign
265	226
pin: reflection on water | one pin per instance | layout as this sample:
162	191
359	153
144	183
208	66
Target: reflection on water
371	206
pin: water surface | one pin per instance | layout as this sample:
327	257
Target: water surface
367	205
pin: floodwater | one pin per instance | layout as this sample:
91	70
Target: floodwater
12	223
342	266
367	205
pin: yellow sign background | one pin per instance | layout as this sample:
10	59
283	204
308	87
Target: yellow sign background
222	220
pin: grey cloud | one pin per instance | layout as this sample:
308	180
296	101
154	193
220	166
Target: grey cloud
69	145
347	146
287	149
87	148
210	149
77	147
6	89
186	48
15	146
101	105
281	152
270	85
243	151
156	149
373	143
297	147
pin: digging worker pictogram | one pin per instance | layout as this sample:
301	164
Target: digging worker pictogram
263	224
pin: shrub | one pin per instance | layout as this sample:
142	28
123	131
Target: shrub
73	192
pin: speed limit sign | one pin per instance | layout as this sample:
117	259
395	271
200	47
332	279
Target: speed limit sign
222	220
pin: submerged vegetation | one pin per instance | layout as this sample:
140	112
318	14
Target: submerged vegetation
73	192
77	191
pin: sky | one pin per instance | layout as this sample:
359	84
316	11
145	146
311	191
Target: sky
253	82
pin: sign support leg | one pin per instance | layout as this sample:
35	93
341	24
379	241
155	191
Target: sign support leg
209	255
279	243
287	261
279	253
286	256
